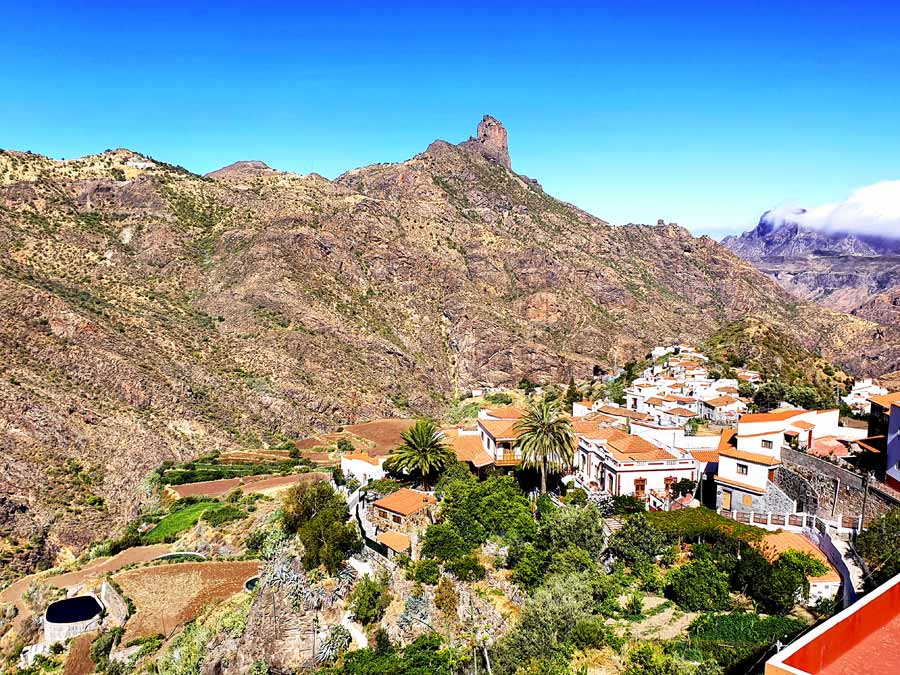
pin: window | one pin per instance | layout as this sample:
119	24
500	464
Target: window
767	445
742	469
747	500
382	514
397	519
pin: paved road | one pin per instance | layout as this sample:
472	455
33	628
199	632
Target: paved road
96	568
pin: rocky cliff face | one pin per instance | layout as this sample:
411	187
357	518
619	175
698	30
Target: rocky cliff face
841	271
491	141
147	313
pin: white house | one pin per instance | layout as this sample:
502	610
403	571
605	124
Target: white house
363	466
747	465
858	398
612	461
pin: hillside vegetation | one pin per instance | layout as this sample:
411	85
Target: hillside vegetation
150	314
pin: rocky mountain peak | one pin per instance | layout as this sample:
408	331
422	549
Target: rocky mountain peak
491	141
242	168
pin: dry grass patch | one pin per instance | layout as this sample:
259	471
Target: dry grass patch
168	596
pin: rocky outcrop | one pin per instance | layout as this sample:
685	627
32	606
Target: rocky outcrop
491	141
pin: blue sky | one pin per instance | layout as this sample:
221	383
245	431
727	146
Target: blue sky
700	113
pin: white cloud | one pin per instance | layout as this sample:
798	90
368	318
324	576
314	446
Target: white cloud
871	210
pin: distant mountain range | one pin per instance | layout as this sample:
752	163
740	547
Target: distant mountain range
854	273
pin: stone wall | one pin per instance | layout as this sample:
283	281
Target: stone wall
799	489
838	491
773	501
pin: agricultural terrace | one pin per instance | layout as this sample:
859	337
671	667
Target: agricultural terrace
167	596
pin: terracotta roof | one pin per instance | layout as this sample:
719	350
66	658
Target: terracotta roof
885	400
405	501
394	540
739	484
727	439
803	425
774	416
829	446
364	457
623	412
754	457
729	390
507	413
468	448
774	432
776	543
655	400
627	448
720	401
500	430
680	412
705	455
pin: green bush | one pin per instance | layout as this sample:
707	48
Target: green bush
577	497
443	541
368	600
466	568
698	585
318	515
731	639
499	398
637	541
223	514
425	571
593	633
879	543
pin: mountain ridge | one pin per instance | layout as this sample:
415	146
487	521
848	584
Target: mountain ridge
148	313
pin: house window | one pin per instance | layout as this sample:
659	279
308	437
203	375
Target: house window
397	519
742	469
767	445
640	485
382	514
747	500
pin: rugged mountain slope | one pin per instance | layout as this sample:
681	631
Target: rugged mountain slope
841	271
148	313
764	348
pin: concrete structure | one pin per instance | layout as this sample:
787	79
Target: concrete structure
363	466
69	617
862	639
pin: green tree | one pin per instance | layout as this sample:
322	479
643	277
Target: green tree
318	515
546	439
582	527
698	585
685	486
444	542
368	600
425	571
638	541
422	453
879	545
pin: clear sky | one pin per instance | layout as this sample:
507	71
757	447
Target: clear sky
701	113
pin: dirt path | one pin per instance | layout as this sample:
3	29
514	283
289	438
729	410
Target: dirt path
665	624
96	568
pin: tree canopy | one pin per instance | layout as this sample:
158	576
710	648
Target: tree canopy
546	438
318	515
423	452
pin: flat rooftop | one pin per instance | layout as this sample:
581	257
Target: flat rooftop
860	640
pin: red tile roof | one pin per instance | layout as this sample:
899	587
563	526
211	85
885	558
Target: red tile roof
405	501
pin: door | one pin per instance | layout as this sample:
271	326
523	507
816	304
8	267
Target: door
726	500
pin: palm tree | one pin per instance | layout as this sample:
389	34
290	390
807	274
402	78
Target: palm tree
422	452
546	438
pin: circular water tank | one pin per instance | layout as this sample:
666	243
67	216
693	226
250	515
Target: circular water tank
73	610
